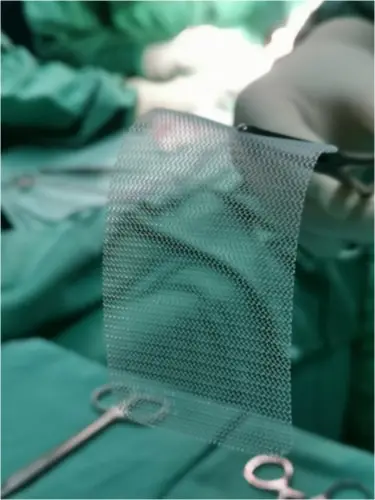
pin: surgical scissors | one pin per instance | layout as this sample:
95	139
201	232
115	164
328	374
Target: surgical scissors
125	411
281	485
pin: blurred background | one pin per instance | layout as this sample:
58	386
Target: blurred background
76	74
194	56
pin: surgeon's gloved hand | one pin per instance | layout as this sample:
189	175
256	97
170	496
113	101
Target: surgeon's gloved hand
324	92
200	48
191	94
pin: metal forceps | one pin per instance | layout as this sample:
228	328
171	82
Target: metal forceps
355	173
124	411
281	485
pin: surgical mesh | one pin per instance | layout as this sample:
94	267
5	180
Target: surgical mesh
199	258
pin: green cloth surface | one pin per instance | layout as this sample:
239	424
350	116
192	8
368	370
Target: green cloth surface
68	182
52	276
55	104
46	399
360	412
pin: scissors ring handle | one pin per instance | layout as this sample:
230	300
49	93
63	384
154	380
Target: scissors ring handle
98	395
130	404
279	484
153	412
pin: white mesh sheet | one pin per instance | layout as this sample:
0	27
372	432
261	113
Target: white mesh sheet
199	259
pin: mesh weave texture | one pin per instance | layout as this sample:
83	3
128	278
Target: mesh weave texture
199	257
